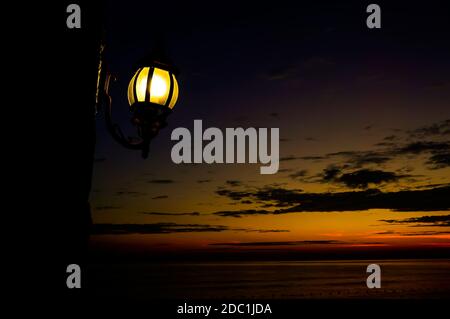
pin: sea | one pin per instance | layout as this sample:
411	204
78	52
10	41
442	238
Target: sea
331	279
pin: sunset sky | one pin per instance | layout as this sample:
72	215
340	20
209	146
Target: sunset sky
364	119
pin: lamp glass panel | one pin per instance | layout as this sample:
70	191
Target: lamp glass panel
130	89
159	86
175	92
141	84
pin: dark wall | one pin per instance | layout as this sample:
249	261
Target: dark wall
61	144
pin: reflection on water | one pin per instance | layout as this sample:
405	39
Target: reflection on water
271	280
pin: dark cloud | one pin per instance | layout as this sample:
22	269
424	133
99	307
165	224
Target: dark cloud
425	233
281	243
306	158
436	129
433	199
201	181
235	195
312	158
438	151
358	159
330	173
299	174
233	183
343	153
420	233
385	144
161	181
440	160
130	193
285	170
362	178
440	220
160	197
390	138
389	232
277	196
240	213
171	214
363	159
272	231
157	228
168	228
289	158
423	147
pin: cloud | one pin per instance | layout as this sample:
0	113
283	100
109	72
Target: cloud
235	195
440	160
156	228
201	181
437	151
390	138
433	199
362	178
168	228
369	158
385	144
285	170
312	158
288	158
436	129
330	173
358	159
272	230
171	214
440	220
131	193
298	174
233	183
306	158
425	233
240	213
160	197
420	233
161	181
423	147
280	243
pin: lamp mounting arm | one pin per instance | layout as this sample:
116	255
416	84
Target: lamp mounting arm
104	103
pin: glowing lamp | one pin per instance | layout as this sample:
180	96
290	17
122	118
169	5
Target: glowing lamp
152	93
153	85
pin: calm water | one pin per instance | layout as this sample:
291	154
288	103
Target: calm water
271	280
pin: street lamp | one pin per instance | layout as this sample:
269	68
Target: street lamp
152	94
